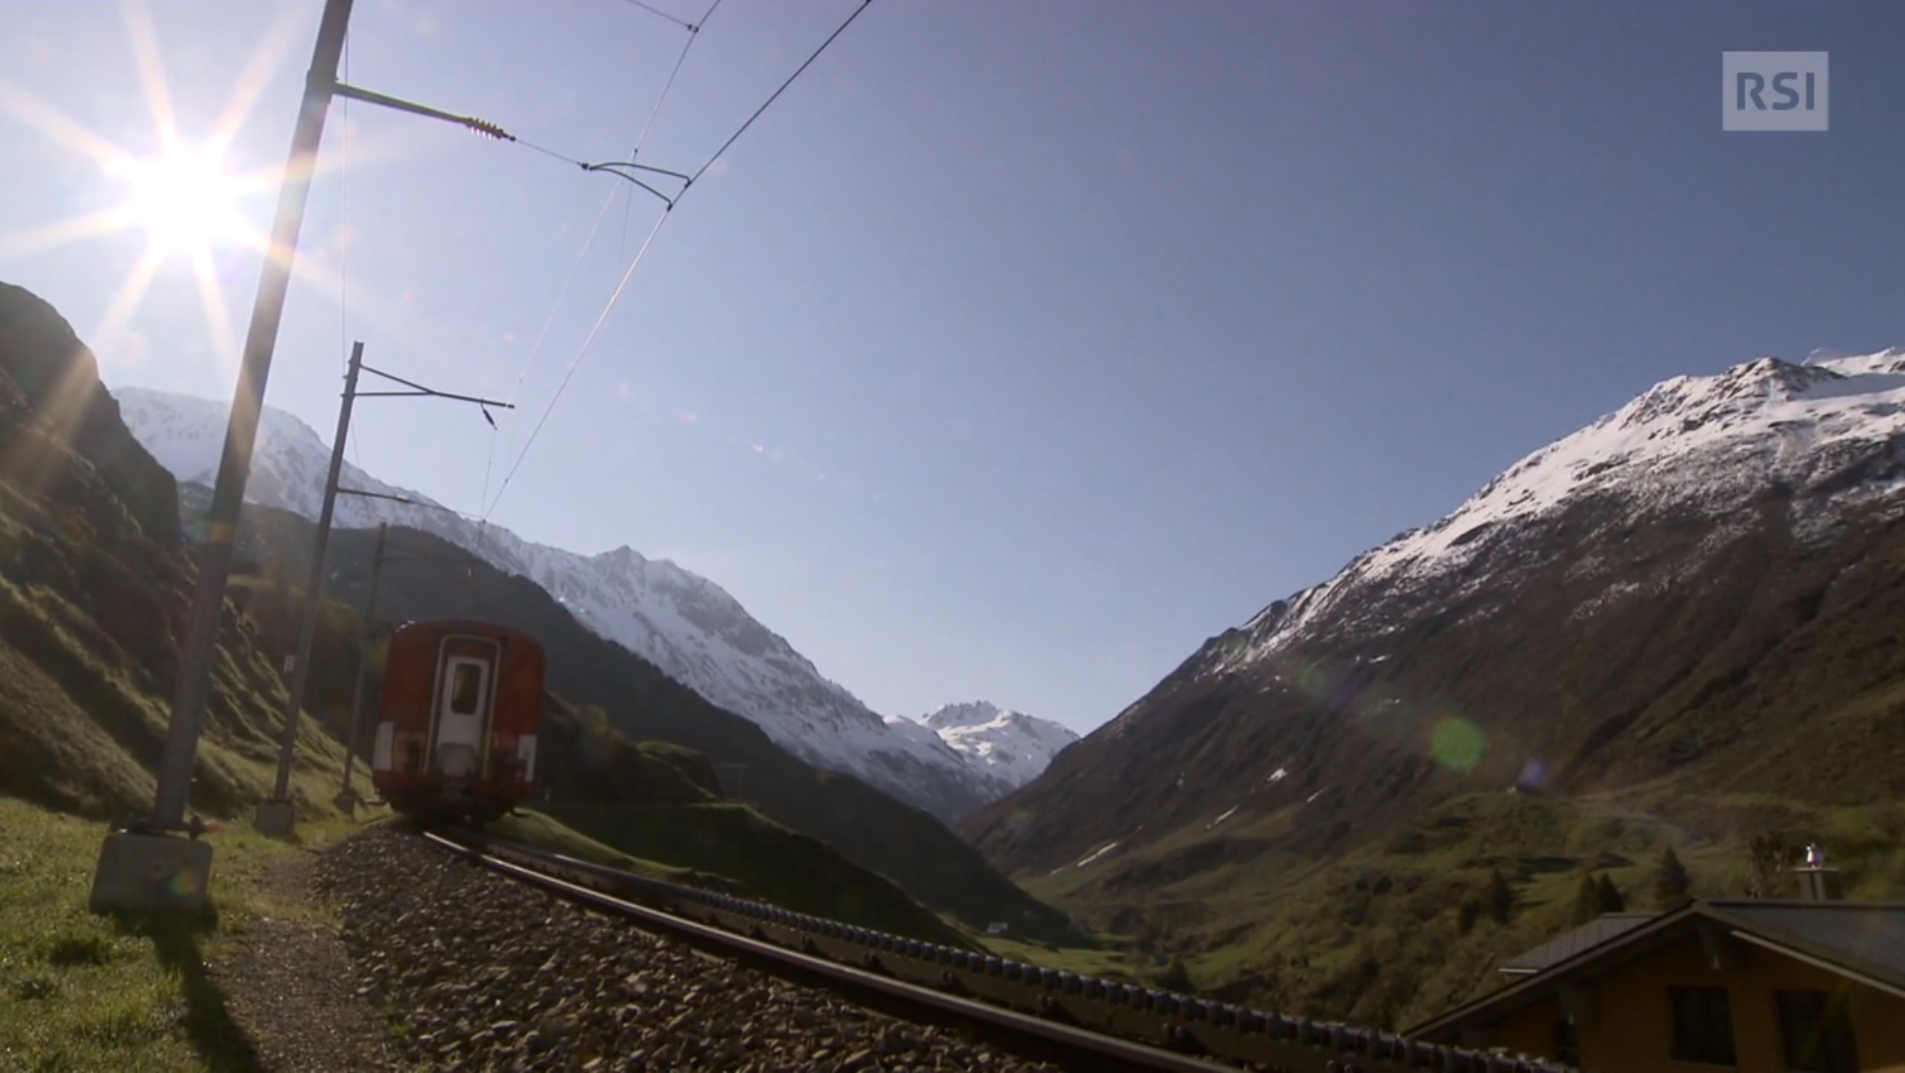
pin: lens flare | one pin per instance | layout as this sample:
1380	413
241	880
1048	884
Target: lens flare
1458	744
1533	774
182	885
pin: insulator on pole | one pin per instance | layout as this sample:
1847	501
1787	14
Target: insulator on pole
488	129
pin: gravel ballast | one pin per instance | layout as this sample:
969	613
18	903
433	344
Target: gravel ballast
291	990
475	970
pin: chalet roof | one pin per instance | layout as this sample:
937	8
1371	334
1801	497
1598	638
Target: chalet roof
1592	934
1863	938
1864	941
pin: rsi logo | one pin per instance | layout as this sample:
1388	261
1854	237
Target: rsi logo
1751	83
1795	82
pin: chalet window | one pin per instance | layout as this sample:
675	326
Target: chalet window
1703	1026
1817	1032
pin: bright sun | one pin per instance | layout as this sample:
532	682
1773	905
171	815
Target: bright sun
185	200
188	198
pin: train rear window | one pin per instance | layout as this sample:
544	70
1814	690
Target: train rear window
467	688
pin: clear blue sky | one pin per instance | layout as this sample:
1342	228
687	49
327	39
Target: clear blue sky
1071	332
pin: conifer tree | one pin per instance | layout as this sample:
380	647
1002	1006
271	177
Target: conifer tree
1764	878
1177	976
1672	885
1610	897
1498	899
1587	900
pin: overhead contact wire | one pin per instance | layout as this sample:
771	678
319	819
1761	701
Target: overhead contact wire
658	11
581	255
790	81
635	263
344	240
343	219
546	151
694	32
535	348
577	363
642	136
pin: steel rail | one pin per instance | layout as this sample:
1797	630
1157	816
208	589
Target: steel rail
1051	1041
1060	1017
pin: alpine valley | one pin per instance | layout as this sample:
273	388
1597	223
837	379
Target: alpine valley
97	563
1683	625
683	623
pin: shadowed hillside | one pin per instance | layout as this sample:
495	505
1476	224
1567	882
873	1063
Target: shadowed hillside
427	577
93	586
94	593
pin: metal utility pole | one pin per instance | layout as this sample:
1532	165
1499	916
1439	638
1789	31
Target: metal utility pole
275	816
278	816
241	434
140	868
347	798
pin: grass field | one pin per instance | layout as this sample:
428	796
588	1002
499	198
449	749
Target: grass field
84	992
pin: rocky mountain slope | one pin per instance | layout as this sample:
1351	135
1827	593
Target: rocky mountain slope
1700	593
684	623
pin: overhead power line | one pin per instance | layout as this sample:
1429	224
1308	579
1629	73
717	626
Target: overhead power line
770	100
577	362
588	241
636	153
670	83
650	8
642	252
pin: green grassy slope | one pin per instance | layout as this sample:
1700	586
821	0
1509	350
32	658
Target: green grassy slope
91	570
1396	931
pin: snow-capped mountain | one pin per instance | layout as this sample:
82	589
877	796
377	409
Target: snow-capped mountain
1700	586
1700	443
1013	746
683	623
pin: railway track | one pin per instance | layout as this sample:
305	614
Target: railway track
1072	1021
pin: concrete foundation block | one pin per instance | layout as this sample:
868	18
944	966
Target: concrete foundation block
276	818
142	873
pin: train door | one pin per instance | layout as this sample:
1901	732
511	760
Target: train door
464	697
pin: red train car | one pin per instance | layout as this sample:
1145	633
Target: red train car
456	737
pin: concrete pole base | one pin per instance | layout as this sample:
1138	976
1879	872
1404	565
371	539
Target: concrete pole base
141	873
276	818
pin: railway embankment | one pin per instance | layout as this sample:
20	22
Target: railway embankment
471	970
372	951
